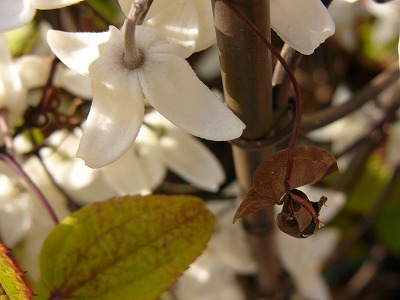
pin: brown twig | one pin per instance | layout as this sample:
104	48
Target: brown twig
375	87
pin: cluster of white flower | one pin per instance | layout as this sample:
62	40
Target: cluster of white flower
122	148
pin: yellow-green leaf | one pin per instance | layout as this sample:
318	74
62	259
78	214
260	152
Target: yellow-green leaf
128	248
12	285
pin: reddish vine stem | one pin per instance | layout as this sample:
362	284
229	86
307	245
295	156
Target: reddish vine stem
297	119
10	161
308	207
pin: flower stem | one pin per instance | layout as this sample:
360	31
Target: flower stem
133	57
9	160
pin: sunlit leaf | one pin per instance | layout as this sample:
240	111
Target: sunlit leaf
12	285
310	164
127	248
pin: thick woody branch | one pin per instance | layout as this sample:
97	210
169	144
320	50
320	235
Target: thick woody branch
246	73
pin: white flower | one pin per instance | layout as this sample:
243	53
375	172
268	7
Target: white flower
303	24
15	13
186	22
159	146
12	91
164	79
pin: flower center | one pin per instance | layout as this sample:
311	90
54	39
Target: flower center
133	57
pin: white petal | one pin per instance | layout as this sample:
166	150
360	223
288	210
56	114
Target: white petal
34	168
15	218
113	123
126	175
73	82
171	87
12	91
15	13
230	242
191	160
33	70
52	4
151	40
312	286
83	184
300	254
304	25
76	50
185	22
149	150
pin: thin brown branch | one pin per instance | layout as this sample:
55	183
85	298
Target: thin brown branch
326	116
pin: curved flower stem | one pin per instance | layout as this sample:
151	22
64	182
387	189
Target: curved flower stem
132	54
308	207
296	87
5	129
9	160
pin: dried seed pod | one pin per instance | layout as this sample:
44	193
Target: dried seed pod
310	164
299	218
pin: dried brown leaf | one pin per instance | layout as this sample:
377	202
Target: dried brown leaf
310	164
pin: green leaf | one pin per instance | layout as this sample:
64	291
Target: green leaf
12	285
22	39
369	186
128	248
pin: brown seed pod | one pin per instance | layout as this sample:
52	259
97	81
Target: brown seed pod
310	164
295	219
